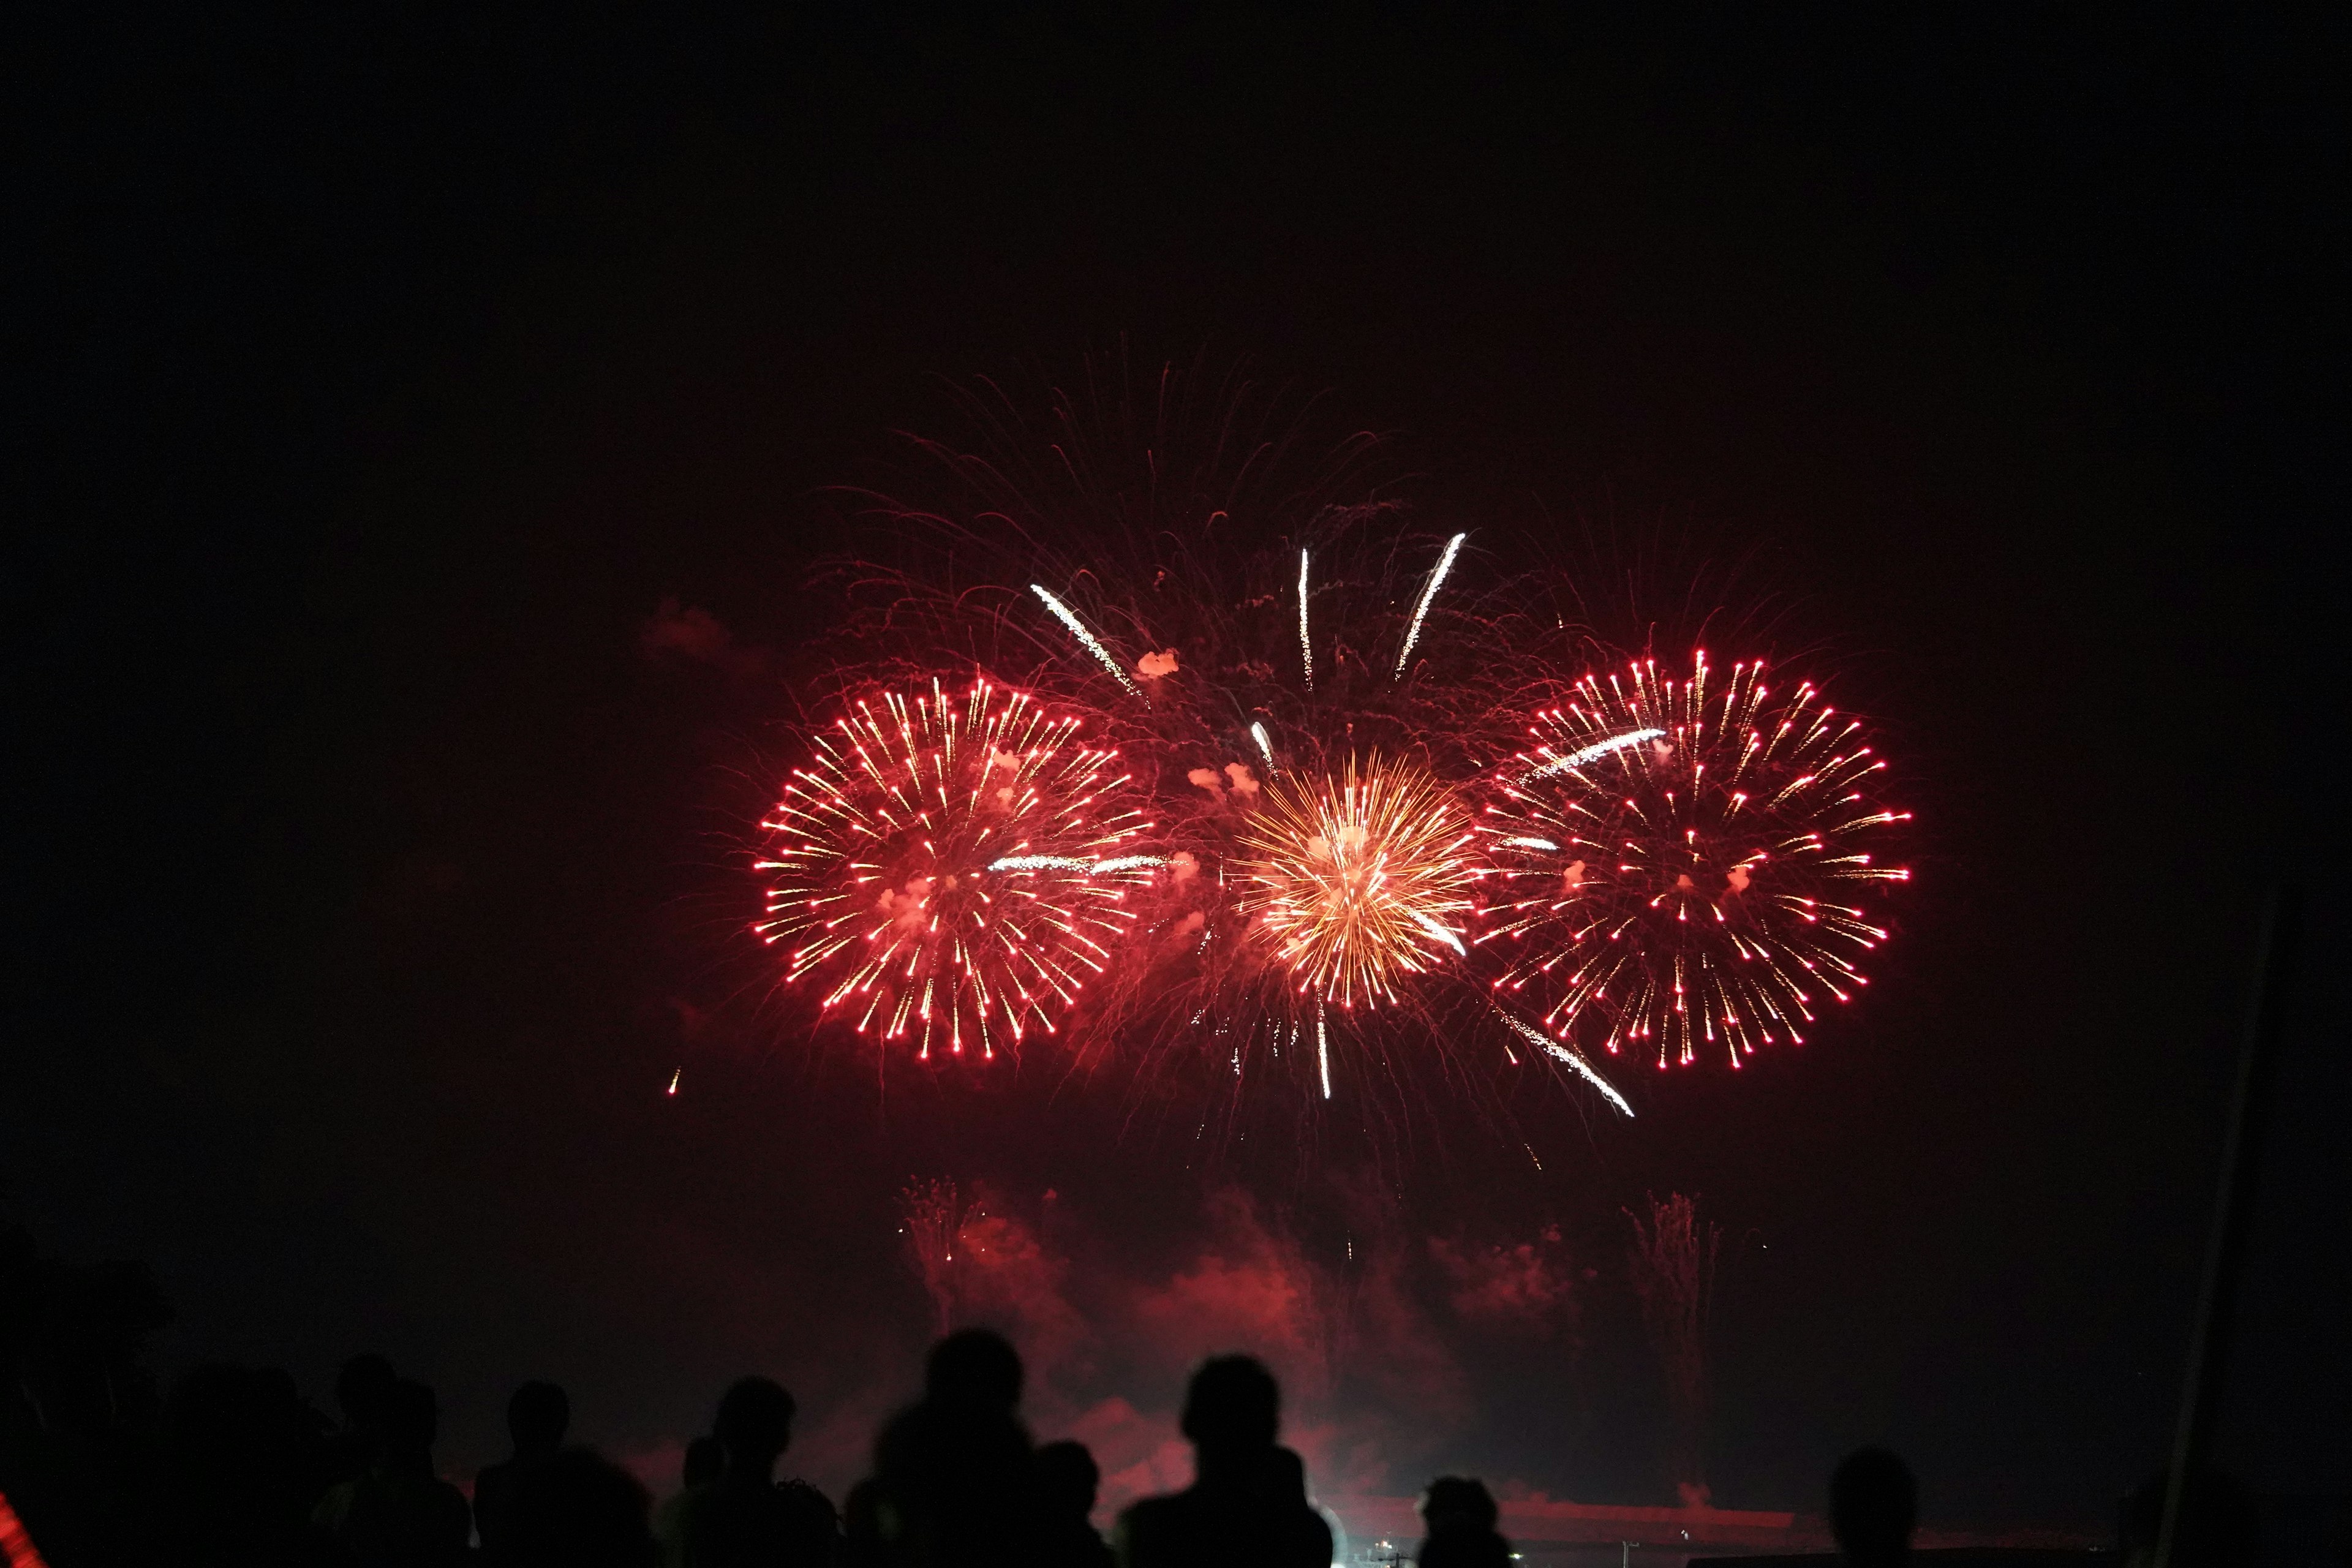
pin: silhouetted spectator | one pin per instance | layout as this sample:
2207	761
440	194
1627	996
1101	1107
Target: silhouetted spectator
1246	1505
1874	1508
862	1545
1065	1482
574	1508
742	1517
1458	1516
953	1470
399	1513
703	1461
359	1389
538	1415
2216	1528
237	1465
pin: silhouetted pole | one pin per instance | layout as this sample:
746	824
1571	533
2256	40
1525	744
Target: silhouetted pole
2233	1209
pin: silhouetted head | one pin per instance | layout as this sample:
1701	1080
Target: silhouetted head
410	1420
1873	1505
1234	1405
704	1458
2215	1529
1457	1502
754	1425
360	1388
975	1369
538	1415
1067	1479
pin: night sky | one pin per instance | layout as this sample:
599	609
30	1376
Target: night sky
375	382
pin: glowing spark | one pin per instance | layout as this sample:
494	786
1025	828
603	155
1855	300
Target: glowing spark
1347	878
1529	844
1323	1047
1574	1059
1069	618
1591	754
1265	746
673	1080
1428	592
1305	648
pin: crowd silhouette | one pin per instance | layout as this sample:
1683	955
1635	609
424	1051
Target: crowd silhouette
244	1472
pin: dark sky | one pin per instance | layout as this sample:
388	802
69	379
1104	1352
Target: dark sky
375	379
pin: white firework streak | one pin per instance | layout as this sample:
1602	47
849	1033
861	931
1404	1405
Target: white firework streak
1305	648
1072	863
1069	618
1265	746
1323	1047
1593	752
1441	933
1569	1054
1428	592
1529	844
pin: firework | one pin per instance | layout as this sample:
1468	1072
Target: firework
1357	881
1678	864
952	870
1361	855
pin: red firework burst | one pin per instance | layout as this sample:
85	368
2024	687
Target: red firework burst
948	867
1679	863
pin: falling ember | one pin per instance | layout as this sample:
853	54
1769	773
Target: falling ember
1306	647
1069	618
1360	881
1323	1050
947	868
673	1081
1428	594
1572	1058
1591	754
1679	862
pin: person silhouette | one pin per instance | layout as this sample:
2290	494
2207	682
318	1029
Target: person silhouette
399	1514
1065	1482
953	1472
575	1509
1458	1517
1247	1504
1874	1508
741	1517
702	1463
538	1415
361	1386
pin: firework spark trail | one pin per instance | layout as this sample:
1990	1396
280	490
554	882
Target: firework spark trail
1591	754
1306	647
888	883
1436	577
1680	894
1069	618
1265	746
1075	863
1323	1048
1574	1058
1351	879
